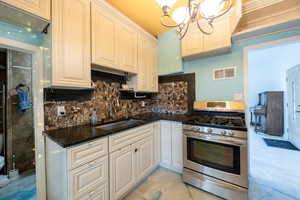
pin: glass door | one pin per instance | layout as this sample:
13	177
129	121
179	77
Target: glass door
215	155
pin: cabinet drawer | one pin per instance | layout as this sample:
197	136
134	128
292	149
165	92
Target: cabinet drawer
82	154
98	192
85	180
125	138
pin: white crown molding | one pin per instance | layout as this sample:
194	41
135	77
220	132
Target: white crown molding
273	15
254	5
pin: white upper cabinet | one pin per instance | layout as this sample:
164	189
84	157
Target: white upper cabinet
220	38
104	30
147	78
192	43
71	66
39	8
196	44
127	41
119	44
114	39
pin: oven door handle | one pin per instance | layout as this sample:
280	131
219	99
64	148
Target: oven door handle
225	140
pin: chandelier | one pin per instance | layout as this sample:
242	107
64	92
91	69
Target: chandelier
194	12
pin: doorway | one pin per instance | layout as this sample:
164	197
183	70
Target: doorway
23	142
273	172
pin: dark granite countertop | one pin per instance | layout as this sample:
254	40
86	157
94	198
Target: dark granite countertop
67	137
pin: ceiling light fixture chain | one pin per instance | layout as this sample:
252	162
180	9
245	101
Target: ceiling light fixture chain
195	12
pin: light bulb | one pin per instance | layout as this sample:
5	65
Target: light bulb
211	8
168	3
179	15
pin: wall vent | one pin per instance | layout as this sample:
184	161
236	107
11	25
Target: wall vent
224	73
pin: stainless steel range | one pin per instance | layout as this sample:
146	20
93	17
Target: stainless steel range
215	155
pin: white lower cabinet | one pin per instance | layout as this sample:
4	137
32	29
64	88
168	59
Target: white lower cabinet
171	145
84	181
122	171
166	143
145	158
131	163
77	173
110	167
157	144
177	146
100	193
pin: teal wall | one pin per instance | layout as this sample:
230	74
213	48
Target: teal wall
206	87
209	89
20	34
169	60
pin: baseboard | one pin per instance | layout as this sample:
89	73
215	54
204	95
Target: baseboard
174	169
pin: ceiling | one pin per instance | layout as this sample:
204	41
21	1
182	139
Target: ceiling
145	13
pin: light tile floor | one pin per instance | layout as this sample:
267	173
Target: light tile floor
167	185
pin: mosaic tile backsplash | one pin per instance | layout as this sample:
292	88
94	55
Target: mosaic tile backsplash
172	97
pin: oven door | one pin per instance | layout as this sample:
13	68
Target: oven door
221	157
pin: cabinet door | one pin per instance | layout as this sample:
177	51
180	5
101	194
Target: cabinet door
40	8
71	43
122	172
155	68
153	82
220	38
104	50
166	143
147	66
143	62
157	144
192	43
144	153
127	41
86	179
177	146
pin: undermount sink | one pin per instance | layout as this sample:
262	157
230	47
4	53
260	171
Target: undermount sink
119	124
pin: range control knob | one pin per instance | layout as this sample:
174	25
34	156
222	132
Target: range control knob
230	133
223	133
210	130
195	129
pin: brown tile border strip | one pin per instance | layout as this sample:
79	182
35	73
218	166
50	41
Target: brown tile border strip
190	79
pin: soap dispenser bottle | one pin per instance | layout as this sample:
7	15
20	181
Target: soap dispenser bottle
94	120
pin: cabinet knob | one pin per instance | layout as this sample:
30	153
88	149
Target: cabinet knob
135	150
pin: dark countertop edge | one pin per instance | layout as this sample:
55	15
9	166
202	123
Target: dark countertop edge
48	133
146	121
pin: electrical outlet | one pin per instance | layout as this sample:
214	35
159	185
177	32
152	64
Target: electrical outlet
61	111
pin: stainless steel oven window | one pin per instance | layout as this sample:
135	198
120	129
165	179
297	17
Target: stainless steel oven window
219	156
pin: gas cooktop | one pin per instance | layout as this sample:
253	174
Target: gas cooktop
218	121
